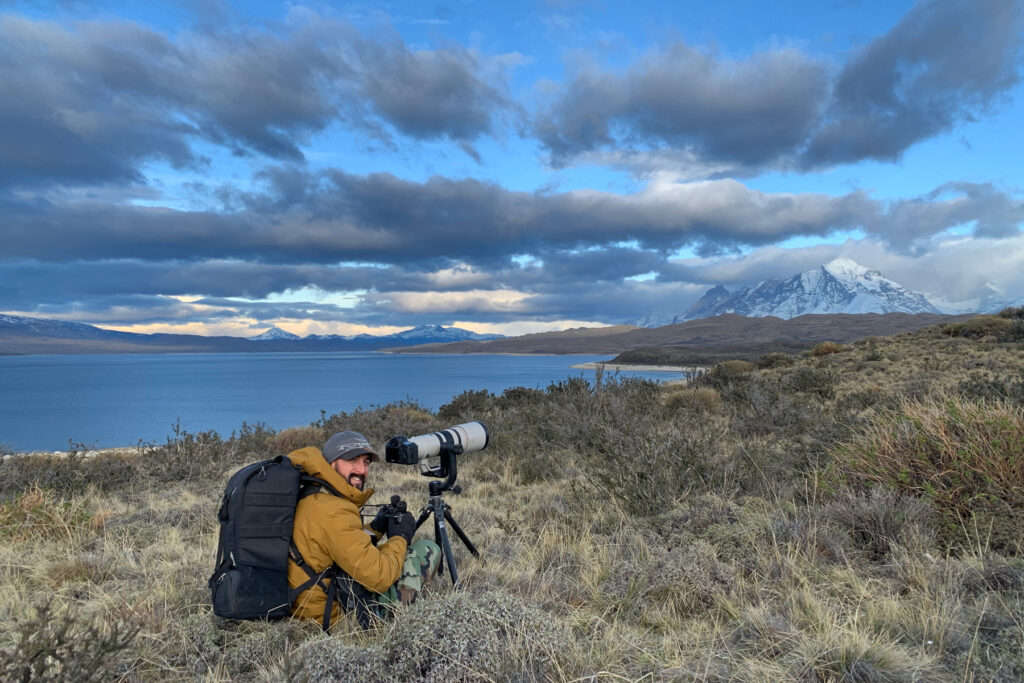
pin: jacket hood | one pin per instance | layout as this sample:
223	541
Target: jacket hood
311	461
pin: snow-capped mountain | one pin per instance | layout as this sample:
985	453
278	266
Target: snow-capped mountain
437	332
275	333
20	334
423	334
840	286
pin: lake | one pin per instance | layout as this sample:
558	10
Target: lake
105	401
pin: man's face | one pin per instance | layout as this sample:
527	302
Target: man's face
355	470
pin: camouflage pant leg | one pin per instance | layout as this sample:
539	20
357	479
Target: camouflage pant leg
421	562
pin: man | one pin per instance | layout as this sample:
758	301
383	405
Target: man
329	533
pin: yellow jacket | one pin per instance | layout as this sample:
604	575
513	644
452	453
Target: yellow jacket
329	530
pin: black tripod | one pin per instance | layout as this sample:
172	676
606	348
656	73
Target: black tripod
442	511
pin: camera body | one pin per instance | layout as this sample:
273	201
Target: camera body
464	438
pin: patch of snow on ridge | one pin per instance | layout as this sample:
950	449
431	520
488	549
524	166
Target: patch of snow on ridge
848	269
274	334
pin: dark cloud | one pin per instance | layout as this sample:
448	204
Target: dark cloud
744	112
982	208
26	284
425	94
440	250
85	107
943	63
335	217
553	291
89	104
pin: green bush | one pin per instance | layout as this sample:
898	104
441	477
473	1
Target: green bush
701	400
723	375
988	386
979	327
808	380
776	359
826	348
469	405
379	423
69	474
965	458
1013	333
191	457
1012	313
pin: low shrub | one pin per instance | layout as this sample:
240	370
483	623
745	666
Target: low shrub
990	387
68	475
1012	313
776	359
667	584
722	375
518	396
701	400
873	350
1013	333
965	458
292	439
192	457
880	519
653	468
62	645
38	514
978	327
454	637
826	348
379	423
469	405
804	379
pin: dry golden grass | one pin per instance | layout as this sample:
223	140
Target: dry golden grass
629	533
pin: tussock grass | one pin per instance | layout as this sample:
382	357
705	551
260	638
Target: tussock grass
965	458
839	516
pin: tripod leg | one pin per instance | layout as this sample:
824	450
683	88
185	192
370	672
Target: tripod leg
423	517
440	538
446	547
460	533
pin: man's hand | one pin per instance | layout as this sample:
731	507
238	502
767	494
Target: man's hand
402	525
380	522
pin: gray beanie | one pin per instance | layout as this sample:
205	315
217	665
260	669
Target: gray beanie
348	445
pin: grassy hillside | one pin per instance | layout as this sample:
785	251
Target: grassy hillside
706	335
850	513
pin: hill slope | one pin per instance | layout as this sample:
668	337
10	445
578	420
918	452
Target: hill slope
707	333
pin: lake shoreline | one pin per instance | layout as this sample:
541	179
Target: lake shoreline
631	367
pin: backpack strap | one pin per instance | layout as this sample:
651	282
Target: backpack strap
339	584
311	485
315	579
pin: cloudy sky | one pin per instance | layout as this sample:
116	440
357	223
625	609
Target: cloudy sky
218	167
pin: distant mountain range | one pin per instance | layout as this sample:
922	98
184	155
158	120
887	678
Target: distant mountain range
424	334
706	339
840	286
22	335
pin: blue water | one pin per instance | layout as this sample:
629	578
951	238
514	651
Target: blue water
105	401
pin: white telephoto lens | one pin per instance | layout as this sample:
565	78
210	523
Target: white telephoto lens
472	436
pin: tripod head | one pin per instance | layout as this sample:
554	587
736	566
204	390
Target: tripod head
448	468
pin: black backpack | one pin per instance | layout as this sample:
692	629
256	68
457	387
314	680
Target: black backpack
256	519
